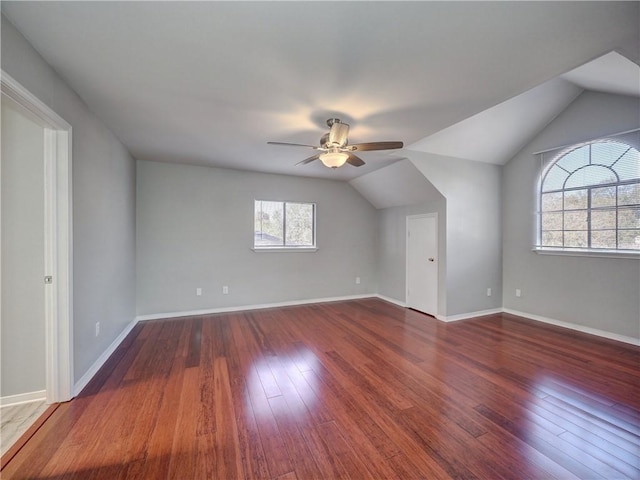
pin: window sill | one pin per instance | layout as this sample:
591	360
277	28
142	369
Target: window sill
285	249
587	253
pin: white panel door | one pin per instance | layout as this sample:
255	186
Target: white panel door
422	263
48	242
22	252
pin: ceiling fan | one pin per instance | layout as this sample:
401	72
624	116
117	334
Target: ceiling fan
335	147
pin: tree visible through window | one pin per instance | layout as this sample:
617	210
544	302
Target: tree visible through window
284	224
590	198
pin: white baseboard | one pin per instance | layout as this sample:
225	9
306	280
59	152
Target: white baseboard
573	326
391	300
80	384
464	316
209	311
89	374
86	378
23	398
444	318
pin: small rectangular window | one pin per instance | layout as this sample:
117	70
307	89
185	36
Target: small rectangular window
288	225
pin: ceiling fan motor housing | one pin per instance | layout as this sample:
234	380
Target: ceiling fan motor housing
336	148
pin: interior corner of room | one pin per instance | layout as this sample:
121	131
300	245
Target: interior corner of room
153	238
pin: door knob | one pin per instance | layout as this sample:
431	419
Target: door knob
431	259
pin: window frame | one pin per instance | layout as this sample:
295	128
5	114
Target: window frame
287	248
588	250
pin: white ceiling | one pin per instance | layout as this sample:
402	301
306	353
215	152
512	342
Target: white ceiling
610	73
396	185
210	83
495	135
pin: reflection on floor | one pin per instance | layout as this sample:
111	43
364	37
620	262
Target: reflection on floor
16	419
359	389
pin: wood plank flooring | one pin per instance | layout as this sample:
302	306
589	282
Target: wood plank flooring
360	389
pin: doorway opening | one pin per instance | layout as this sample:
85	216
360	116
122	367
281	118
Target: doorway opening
57	279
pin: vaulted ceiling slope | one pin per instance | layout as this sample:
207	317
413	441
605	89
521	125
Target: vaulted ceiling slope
210	83
495	135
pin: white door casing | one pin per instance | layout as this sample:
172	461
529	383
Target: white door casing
58	238
422	263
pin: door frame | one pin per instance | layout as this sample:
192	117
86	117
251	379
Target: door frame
58	254
406	267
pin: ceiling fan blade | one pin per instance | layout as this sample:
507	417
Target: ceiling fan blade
364	147
293	145
338	134
308	160
355	161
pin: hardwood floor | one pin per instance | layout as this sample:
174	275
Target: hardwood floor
358	389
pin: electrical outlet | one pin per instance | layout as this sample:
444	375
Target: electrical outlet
488	292
198	291
518	292
225	290
97	328
357	280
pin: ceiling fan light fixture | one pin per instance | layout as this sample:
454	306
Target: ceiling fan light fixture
336	148
334	159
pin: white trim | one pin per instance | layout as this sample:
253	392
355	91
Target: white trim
544	170
391	300
20	398
37	109
208	311
573	326
91	372
86	378
58	237
284	249
100	361
464	316
587	253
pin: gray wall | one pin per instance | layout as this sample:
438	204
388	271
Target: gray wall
195	230
23	328
103	206
392	249
473	229
599	293
397	191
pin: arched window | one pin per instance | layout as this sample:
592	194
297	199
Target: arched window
590	198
